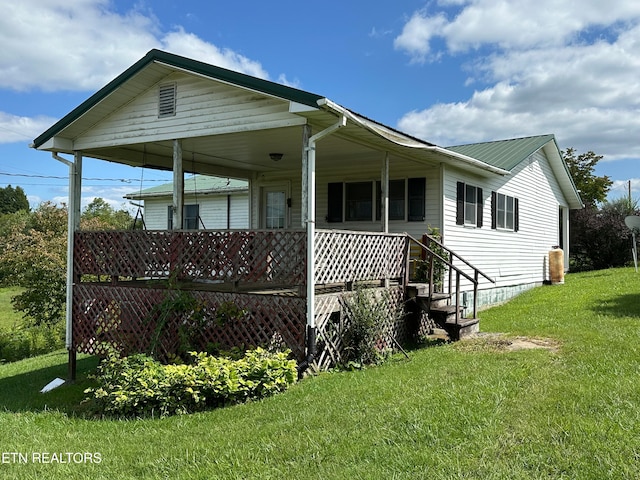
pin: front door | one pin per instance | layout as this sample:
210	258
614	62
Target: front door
275	207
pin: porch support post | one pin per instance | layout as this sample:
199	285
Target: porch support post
306	133
385	193
311	232
565	236
73	224
178	185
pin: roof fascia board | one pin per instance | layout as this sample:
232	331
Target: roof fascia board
552	151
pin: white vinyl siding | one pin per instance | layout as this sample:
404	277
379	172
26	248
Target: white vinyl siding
202	107
511	258
216	211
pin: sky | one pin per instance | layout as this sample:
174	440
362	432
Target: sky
448	71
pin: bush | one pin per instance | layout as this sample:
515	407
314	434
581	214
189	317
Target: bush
138	385
30	341
363	331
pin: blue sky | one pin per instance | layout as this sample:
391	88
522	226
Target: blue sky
448	71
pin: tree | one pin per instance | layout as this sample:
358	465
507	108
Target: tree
34	257
593	189
599	237
13	200
99	215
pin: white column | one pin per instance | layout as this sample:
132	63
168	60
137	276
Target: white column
385	193
178	185
73	224
306	133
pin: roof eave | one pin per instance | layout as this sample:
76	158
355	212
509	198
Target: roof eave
406	141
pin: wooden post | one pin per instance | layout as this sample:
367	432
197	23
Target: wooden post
306	134
385	193
73	224
178	185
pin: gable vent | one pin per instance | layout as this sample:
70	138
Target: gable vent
167	100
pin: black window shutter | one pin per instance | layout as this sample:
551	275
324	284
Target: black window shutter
416	189
460	203
516	215
479	207
494	210
334	202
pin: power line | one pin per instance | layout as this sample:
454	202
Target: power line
54	177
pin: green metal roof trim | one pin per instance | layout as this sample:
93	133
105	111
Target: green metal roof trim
201	68
201	184
505	154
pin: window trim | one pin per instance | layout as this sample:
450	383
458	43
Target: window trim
462	202
414	187
496	212
185	209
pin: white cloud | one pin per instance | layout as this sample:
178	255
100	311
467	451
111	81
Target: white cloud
15	128
510	24
551	76
83	44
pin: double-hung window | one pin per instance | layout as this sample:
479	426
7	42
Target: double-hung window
504	212
190	217
362	201
469	203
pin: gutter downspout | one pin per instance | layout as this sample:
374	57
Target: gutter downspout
75	170
311	233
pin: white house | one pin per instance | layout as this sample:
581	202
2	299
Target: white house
209	203
331	195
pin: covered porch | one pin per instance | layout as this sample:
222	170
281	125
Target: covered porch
173	113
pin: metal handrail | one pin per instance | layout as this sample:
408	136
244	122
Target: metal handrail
459	272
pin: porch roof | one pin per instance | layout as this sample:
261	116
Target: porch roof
237	150
198	184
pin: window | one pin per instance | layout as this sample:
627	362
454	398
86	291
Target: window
417	197
334	203
354	201
469	204
504	212
358	201
397	200
190	217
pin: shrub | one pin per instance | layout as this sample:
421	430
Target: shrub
363	331
138	385
30	341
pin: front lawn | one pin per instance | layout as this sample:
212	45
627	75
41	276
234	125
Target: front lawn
468	410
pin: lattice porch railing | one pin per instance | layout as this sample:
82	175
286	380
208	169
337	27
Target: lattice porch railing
346	256
276	257
116	310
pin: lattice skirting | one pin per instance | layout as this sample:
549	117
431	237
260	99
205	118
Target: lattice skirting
331	321
125	317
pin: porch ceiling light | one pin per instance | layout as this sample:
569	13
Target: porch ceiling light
276	156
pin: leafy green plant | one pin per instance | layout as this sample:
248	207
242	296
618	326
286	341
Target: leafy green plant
423	267
138	385
362	334
181	310
28	341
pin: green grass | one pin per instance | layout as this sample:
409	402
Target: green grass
8	316
451	411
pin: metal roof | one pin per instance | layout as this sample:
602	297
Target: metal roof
505	154
197	184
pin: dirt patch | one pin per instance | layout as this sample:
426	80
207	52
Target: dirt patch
499	342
